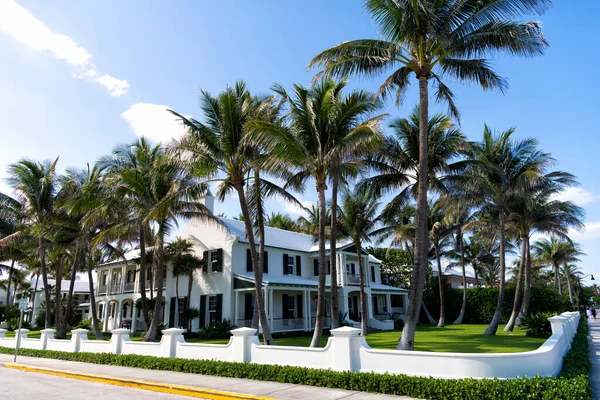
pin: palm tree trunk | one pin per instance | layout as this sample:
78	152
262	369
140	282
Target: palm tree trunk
62	332
42	255
142	276
10	274
517	301
333	255
417	283
527	292
156	313
568	276
427	313
463	308
58	297
320	317
37	280
475	268
260	304
364	317
442	321
90	268
493	326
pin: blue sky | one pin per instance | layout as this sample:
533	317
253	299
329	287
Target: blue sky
79	77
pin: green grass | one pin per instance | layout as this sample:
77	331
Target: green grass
466	338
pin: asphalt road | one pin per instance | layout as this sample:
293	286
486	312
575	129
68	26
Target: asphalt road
30	385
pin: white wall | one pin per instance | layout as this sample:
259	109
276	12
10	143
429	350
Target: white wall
345	351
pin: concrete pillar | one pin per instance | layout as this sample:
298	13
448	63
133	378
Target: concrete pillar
46	334
22	332
309	310
558	324
117	339
2	333
241	343
169	341
133	316
388	303
77	335
344	339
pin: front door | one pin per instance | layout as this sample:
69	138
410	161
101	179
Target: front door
353	308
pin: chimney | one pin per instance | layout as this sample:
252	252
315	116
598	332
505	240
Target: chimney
209	201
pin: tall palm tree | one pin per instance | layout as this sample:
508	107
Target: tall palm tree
218	149
281	221
180	253
309	224
502	172
432	39
554	253
313	145
15	234
439	230
357	218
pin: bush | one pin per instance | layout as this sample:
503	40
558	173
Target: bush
573	382
85	324
537	325
221	330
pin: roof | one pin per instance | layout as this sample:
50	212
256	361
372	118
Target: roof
281	280
283	239
79	287
129	256
379	286
456	271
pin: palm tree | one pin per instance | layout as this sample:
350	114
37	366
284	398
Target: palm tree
314	145
554	253
432	39
218	149
281	221
309	224
502	172
357	218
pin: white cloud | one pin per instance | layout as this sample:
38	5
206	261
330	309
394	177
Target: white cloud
591	232
153	121
294	209
19	23
578	196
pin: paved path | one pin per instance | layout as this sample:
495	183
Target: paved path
594	351
243	386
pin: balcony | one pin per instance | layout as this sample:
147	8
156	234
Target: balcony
353	279
129	287
115	288
287	324
102	289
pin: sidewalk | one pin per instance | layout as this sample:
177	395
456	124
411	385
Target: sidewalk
273	390
594	351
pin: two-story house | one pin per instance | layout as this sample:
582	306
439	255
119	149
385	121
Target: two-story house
224	285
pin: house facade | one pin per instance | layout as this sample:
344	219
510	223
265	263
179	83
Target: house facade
81	296
223	286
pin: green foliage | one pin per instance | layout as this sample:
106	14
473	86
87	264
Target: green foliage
573	382
537	325
84	324
396	265
221	330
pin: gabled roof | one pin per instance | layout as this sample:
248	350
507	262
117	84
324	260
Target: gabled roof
80	286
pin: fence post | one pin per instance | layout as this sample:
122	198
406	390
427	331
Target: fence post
344	339
117	338
2	333
46	334
241	343
169	341
77	335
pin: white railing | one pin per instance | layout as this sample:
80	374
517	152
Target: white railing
288	324
345	351
129	287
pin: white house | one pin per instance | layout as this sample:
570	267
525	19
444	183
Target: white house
224	286
81	296
453	275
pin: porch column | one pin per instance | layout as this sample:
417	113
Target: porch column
306	306
133	316
388	302
235	305
118	315
405	303
309	310
342	270
270	294
106	309
369	305
123	271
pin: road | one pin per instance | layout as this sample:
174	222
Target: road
21	385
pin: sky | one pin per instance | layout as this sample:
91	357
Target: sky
78	78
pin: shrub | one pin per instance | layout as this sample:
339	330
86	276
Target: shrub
573	382
537	325
85	324
220	330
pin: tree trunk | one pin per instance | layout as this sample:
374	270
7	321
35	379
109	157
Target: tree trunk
37	280
568	276
90	269
10	274
427	314
527	292
156	313
463	307
557	286
333	255
442	321
58	294
320	317
42	255
407	342
142	276
493	327
517	301
62	332
475	268
260	304
364	318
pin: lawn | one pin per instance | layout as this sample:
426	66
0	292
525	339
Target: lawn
466	338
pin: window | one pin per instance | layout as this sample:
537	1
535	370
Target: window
101	311
104	279
288	267
212	261
397	301
212	303
86	297
181	304
291	307
129	276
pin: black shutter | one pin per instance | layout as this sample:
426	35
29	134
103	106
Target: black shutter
352	269
375	305
266	262
172	312
205	257
299	306
285	264
218	266
316	267
248	260
328	268
298	265
373	274
248	306
219	313
284	305
202	314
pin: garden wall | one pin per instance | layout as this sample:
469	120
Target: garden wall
345	351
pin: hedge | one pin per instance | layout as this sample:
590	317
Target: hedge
573	382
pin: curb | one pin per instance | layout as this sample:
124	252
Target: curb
139	384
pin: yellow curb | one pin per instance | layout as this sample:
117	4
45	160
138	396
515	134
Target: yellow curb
140	384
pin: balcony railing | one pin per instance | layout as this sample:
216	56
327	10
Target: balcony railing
102	289
287	324
115	288
156	283
353	279
129	287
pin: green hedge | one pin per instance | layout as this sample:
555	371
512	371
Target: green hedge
481	303
573	383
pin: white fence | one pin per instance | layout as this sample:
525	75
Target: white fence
345	351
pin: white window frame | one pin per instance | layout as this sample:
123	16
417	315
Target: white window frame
291	306
291	267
